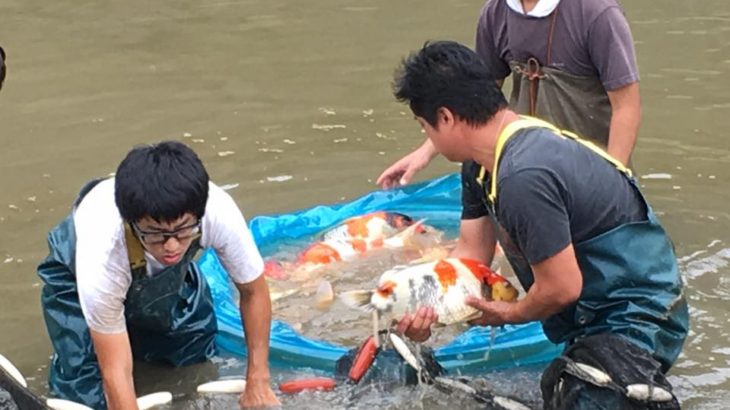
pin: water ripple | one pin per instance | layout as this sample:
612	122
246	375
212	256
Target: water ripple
695	268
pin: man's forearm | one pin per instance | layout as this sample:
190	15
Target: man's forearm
119	389
538	304
256	314
427	149
115	362
476	241
625	121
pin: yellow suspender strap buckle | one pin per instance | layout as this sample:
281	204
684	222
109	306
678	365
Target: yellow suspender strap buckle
531	122
135	252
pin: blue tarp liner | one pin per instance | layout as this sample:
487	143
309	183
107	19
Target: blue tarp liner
437	200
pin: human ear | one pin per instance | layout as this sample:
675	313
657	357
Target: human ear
445	117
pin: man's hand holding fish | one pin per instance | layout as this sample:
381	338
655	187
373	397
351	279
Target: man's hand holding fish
417	327
493	313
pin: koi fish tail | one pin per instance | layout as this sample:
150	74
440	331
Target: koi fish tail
358	299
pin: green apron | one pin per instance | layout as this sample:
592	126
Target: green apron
169	316
631	281
571	102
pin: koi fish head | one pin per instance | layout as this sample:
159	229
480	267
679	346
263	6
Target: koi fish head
398	220
417	235
383	297
498	287
380	225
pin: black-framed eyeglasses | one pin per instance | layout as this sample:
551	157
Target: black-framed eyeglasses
159	237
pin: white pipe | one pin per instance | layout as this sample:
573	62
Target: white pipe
7	365
60	404
402	348
154	399
223	386
144	403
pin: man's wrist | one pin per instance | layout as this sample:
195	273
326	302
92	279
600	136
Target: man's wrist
258	380
258	374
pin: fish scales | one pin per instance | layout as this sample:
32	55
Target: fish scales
443	285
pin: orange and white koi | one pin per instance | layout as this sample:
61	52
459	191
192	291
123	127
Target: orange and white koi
443	285
352	239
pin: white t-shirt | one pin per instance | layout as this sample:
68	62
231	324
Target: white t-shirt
543	8
103	274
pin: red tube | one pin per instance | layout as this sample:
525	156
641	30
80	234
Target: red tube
363	360
300	385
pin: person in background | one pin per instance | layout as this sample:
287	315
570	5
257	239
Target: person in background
599	270
120	281
572	63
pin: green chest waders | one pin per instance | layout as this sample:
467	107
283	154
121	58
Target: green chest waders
169	316
631	282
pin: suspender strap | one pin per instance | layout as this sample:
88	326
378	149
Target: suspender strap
135	252
530	122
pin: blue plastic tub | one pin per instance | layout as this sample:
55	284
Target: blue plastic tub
437	200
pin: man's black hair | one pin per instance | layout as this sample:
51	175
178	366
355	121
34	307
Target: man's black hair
3	67
162	181
448	74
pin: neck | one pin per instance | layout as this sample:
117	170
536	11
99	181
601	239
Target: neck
485	138
528	5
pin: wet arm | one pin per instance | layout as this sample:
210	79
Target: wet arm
476	240
114	354
625	121
558	283
256	315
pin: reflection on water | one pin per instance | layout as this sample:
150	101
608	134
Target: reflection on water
705	362
520	383
289	106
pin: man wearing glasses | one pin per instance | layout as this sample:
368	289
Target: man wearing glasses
120	281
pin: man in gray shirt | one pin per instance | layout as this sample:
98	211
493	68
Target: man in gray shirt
573	64
599	270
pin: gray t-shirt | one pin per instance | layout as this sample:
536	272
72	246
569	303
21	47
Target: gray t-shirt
552	192
591	38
